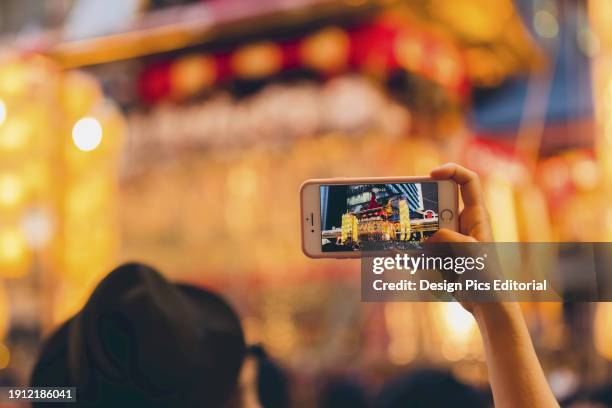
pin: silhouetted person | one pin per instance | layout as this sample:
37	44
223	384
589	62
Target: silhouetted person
271	382
143	341
599	397
343	393
428	389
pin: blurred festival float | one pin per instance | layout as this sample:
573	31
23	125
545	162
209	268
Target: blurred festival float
180	137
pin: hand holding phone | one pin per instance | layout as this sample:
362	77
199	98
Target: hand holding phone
474	218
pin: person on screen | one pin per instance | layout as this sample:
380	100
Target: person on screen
373	203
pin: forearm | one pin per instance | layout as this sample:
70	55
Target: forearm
516	377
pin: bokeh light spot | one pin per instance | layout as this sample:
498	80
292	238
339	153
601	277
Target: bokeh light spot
11	189
546	24
5	356
87	134
2	111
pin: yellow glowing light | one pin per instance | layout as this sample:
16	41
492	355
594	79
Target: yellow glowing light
87	134
602	335
476	19
257	60
327	50
459	332
600	17
401	354
459	321
409	52
81	93
5	356
453	350
500	196
11	189
191	74
14	134
4	317
242	181
608	222
585	174
12	246
2	111
546	24
13	79
70	299
37	175
447	70
403	346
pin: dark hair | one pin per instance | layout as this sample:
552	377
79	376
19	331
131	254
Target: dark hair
428	388
142	341
341	393
272	382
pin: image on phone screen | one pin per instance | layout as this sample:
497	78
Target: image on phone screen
377	216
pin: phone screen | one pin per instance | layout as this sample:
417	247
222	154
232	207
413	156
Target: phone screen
377	216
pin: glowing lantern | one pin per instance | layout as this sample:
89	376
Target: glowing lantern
409	51
257	60
80	93
327	50
13	79
14	253
191	74
14	135
12	190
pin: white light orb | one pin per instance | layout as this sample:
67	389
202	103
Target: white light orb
37	227
2	111
87	134
546	24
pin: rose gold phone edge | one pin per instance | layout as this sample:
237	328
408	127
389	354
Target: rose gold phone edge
315	208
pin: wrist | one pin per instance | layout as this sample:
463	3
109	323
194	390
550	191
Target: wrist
500	314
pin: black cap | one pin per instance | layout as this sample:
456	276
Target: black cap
141	340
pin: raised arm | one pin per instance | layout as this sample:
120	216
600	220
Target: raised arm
515	374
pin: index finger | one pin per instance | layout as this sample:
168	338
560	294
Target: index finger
471	192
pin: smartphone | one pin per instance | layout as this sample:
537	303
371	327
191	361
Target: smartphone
342	217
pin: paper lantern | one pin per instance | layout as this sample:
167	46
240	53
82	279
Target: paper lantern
327	50
257	60
191	74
